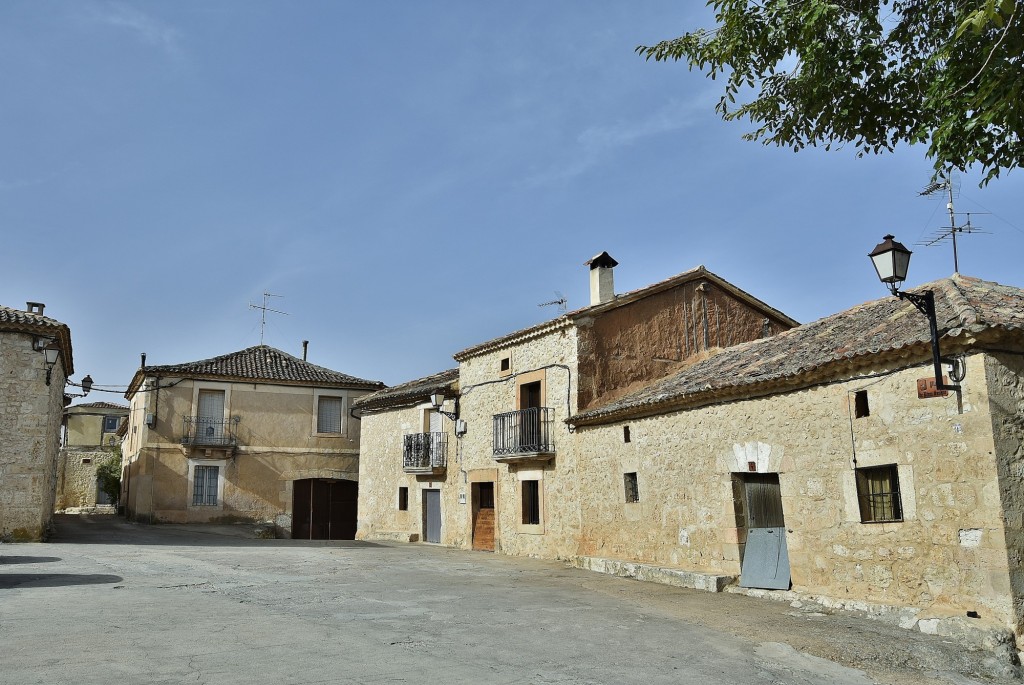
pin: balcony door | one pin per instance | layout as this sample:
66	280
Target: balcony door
529	421
210	416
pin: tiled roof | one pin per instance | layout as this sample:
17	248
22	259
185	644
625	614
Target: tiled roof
698	273
259	363
18	321
838	344
411	392
100	405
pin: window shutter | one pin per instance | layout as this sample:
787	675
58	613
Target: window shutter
328	418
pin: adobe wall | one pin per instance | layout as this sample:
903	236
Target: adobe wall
485	392
381	474
658	335
948	556
30	419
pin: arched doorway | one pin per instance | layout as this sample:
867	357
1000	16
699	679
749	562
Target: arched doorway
324	509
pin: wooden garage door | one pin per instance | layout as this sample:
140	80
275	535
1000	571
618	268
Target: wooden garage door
324	509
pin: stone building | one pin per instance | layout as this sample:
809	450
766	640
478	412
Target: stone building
255	435
90	437
510	483
31	402
816	463
822	460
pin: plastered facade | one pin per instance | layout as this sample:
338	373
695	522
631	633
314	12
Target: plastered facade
30	419
87	444
277	444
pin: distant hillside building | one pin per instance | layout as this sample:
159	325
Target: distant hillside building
35	360
90	432
255	435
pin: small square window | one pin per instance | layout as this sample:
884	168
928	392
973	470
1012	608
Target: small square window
110	423
878	492
505	365
625	434
403	499
632	487
531	502
860	404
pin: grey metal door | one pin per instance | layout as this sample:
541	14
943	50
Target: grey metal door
432	515
765	556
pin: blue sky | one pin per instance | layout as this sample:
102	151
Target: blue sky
412	178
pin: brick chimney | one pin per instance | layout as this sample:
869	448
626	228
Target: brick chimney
602	282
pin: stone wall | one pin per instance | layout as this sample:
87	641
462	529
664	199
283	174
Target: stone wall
30	419
76	482
946	557
381	474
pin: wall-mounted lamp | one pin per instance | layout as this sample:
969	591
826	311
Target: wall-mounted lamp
85	385
437	401
50	354
892	261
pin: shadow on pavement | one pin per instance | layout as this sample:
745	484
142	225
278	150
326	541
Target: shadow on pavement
26	560
84	529
13	580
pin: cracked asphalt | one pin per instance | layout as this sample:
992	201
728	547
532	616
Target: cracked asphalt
106	601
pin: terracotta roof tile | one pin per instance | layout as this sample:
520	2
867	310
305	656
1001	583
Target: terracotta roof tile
410	392
261	363
962	303
19	321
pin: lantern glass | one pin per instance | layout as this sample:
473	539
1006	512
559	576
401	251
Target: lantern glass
891	260
50	353
437	399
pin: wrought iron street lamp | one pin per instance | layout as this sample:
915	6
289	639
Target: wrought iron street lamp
50	354
437	401
892	260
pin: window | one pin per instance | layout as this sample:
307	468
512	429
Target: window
531	502
86	460
505	365
110	423
632	488
878	491
625	434
204	486
403	499
328	414
860	404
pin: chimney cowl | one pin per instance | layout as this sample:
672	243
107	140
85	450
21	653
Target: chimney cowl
602	282
35	307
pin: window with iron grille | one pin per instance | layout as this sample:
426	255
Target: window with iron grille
632	488
329	416
531	502
878	491
403	499
204	486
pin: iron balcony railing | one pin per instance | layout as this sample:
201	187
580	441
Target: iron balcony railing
200	431
425	451
527	431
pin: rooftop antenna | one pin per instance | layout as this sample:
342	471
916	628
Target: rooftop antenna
561	302
263	312
946	185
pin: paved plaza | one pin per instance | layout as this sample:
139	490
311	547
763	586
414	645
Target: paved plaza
107	601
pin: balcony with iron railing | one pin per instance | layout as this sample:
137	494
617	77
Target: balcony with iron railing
425	453
524	435
198	431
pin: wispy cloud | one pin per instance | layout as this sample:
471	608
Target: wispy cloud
144	27
597	142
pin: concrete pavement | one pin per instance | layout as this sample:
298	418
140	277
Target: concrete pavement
113	602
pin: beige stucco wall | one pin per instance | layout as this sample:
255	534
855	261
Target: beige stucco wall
277	444
30	419
76	480
948	556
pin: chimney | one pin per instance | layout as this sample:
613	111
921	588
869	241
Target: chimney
35	307
602	283
142	363
305	349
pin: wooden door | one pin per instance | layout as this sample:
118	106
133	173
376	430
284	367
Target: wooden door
301	509
324	509
344	509
483	516
765	555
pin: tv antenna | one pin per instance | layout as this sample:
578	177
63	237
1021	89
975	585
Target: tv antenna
561	302
945	185
263	312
